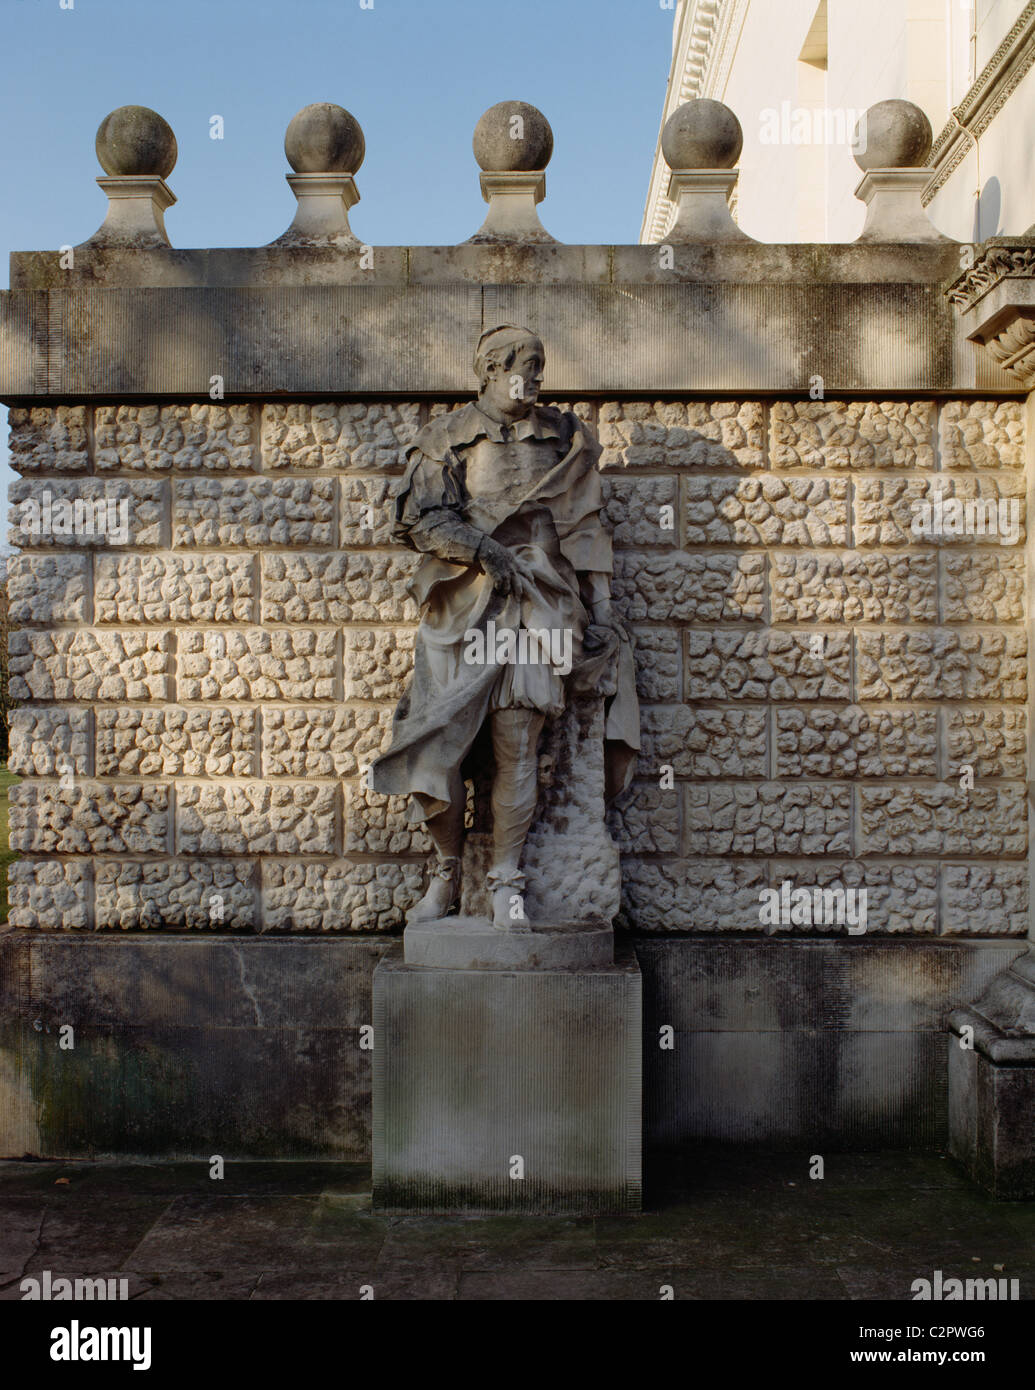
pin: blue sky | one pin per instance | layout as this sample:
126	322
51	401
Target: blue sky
417	74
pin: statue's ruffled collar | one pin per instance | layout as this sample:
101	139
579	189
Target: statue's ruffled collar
469	424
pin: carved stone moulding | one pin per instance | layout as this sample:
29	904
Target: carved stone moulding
996	298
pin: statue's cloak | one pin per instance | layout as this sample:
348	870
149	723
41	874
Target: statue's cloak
557	528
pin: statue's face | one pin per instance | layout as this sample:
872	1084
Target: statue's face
514	390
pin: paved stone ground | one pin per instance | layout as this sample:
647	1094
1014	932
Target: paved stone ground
719	1225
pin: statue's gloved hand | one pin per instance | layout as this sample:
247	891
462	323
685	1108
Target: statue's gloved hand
509	575
605	626
448	536
600	635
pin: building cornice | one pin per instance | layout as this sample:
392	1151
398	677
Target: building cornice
705	39
996	300
1001	260
997	80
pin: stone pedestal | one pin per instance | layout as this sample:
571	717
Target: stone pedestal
894	210
702	199
992	1084
507	1089
137	204
512	198
322	216
473	943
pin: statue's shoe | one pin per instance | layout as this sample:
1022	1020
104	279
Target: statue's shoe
443	894
504	915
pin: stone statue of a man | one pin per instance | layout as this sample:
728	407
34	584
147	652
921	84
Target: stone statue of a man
503	498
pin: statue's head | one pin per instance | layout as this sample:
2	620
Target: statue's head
509	365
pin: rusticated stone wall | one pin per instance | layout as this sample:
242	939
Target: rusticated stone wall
196	706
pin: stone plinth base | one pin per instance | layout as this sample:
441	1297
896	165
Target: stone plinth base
839	1043
992	1084
257	1047
473	943
507	1090
992	1120
185	1046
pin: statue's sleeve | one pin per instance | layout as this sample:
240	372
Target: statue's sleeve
429	512
578	508
595	588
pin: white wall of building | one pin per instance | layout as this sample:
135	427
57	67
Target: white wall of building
927	51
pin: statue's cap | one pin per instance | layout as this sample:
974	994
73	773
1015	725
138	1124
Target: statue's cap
506	335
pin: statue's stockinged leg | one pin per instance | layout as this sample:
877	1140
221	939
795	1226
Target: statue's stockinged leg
515	788
447	835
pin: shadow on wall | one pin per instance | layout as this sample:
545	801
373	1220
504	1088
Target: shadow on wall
987	211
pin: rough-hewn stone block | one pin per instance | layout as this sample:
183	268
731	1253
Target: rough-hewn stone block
682	434
256	818
570	859
48	439
990	739
827	741
691	895
174	588
176	742
983	586
941	664
255	512
702	742
855	586
677	587
50	894
50	742
90	818
771	818
354	435
770	665
852	434
887	509
86	513
982	434
365	587
942	820
63	665
337	896
376	824
900	898
367	511
259	664
378	662
642	511
766	510
328	742
45	589
204	894
658	654
645	819
188	438
985	899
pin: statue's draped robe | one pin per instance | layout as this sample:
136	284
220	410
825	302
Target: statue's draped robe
535	488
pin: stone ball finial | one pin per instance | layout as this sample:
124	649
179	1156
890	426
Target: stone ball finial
136	140
702	134
513	137
324	139
893	134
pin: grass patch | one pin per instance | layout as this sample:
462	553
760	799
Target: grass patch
7	855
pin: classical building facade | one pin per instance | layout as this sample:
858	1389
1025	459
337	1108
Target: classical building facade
799	74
